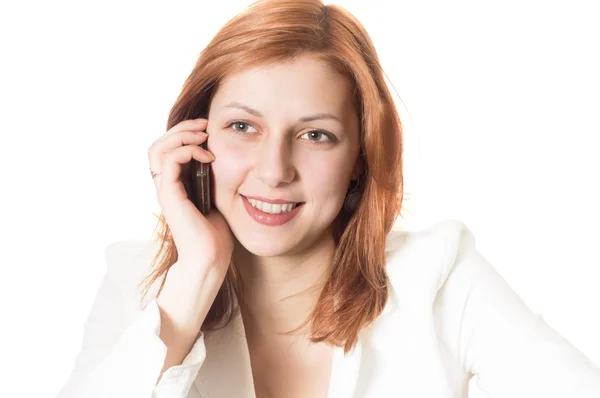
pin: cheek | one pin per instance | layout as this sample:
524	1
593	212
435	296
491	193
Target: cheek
229	166
327	177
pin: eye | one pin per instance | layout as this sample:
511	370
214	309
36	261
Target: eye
239	127
316	134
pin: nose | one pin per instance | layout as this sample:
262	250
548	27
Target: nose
274	163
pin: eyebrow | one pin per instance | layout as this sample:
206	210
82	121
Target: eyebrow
304	119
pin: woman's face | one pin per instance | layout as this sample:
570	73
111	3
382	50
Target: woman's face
283	131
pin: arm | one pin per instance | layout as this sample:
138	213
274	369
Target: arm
495	336
123	355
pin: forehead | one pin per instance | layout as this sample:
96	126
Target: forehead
305	82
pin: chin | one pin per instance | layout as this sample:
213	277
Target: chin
261	247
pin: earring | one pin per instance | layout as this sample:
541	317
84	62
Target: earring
353	198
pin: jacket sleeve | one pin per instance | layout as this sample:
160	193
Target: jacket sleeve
512	351
122	354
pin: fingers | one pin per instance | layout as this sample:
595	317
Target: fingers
191	124
188	133
172	161
166	144
196	125
186	125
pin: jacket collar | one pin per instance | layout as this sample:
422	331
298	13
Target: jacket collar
227	349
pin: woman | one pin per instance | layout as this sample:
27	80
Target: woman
294	284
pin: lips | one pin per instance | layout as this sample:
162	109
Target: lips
270	219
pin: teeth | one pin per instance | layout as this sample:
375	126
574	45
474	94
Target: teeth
272	208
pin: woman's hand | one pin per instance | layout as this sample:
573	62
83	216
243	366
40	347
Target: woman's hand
197	237
204	244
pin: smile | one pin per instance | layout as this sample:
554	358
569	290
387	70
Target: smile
271	214
272	208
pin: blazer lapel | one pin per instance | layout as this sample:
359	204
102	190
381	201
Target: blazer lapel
227	370
344	371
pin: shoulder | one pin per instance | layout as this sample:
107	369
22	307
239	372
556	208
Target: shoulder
128	263
419	262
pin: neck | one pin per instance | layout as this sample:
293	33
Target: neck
280	292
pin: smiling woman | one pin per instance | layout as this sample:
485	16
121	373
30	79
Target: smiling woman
294	284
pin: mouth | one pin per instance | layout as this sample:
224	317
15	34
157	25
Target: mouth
271	214
276	206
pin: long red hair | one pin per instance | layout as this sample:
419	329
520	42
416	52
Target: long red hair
273	31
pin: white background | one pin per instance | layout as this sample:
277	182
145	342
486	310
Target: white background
500	104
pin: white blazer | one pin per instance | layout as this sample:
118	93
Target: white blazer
450	316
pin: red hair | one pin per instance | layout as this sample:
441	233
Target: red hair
272	31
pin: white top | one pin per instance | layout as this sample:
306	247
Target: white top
450	316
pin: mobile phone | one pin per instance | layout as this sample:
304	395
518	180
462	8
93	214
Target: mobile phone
200	181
